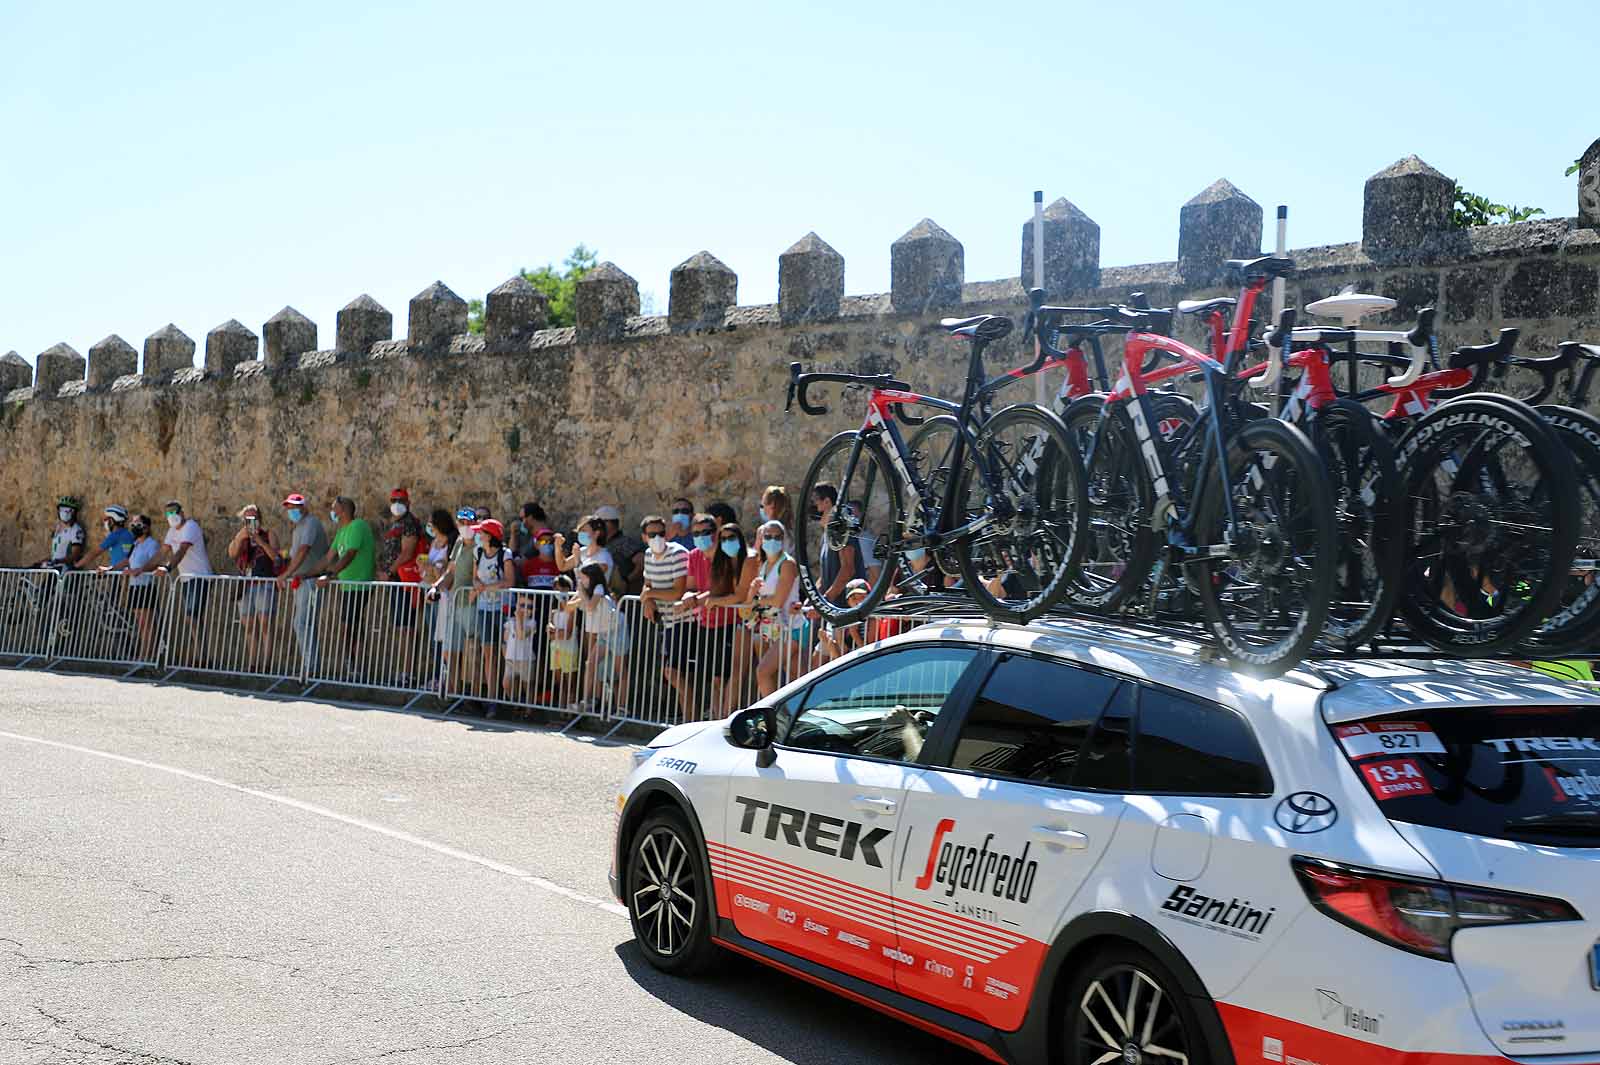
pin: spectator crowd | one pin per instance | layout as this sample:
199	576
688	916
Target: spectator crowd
700	609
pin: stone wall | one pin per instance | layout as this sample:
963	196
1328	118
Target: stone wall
636	410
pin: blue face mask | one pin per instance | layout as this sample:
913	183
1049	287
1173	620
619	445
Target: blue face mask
584	539
703	543
295	514
730	548
547	550
914	554
773	548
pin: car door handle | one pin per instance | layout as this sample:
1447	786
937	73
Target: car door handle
1061	838
872	804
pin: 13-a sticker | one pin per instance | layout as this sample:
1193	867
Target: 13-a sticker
1395	778
1388	738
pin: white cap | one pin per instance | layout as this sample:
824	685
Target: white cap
608	513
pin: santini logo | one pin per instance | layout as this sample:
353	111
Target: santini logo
1234	916
978	869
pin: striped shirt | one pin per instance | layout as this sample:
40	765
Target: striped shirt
661	573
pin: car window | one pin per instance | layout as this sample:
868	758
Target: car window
882	707
1193	747
1032	720
1107	760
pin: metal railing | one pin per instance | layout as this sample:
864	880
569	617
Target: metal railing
615	661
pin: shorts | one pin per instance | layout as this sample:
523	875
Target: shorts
489	624
352	605
461	622
195	594
563	658
142	596
677	646
402	607
519	669
610	656
256	599
716	658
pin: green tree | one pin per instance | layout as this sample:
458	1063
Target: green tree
1470	209
558	286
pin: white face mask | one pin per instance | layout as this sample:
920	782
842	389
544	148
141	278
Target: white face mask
64	514
333	516
397	509
658	543
174	520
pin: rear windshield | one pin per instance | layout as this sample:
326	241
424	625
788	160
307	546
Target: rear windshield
1529	774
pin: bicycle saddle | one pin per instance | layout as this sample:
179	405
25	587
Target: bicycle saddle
1267	266
978	327
1205	306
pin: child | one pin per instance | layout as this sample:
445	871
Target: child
606	631
563	631
520	652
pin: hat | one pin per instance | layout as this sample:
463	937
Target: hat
608	513
114	511
857	585
490	527
399	493
294	499
543	533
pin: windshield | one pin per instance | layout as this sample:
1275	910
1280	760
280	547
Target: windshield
1529	774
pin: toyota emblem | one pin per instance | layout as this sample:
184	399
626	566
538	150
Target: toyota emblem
1305	812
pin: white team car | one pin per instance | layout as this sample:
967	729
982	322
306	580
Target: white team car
1077	843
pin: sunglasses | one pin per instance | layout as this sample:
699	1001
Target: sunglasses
654	530
683	512
728	539
773	539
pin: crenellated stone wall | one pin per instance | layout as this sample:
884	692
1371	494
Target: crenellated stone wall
636	410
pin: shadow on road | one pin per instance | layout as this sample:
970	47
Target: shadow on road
788	1017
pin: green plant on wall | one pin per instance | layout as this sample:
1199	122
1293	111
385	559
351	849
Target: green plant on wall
558	286
1470	209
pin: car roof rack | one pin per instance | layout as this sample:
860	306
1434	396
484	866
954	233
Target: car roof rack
1321	662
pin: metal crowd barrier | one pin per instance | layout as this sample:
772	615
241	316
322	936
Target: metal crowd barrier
524	650
110	619
27	613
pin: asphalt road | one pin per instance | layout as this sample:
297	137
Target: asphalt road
197	877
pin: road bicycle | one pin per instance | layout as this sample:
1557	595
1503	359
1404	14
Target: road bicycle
1008	515
1246	514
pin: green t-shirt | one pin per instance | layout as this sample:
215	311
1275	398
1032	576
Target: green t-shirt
357	536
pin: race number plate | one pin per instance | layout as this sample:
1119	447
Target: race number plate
1388	738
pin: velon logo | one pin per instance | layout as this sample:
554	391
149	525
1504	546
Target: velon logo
832	836
977	869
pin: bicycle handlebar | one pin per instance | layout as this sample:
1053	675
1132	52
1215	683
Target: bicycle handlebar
1280	341
800	382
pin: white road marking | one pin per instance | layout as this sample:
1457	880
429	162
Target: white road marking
532	879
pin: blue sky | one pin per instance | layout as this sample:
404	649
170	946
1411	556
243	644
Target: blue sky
194	162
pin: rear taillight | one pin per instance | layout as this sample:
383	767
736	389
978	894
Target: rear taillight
1416	915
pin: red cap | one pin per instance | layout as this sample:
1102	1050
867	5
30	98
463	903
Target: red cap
490	526
294	499
400	493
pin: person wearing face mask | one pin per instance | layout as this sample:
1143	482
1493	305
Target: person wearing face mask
776	506
539	569
308	545
681	520
114	546
524	531
589	550
432	565
67	539
726	585
666	580
605	634
777	592
352	560
494	571
253	552
140	567
397	562
184	550
451	589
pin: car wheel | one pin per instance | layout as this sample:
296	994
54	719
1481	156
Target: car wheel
670	896
1125	1008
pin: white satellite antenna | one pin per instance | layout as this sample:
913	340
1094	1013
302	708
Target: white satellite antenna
1350	306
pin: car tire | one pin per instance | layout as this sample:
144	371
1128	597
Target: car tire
669	895
1164	1017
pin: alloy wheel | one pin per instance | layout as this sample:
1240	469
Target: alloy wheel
666	894
1125	1016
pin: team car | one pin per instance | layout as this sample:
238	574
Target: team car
1091	844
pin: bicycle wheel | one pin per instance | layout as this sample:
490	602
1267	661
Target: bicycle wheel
1023	563
1574	623
1491	523
930	448
1119	546
866	522
1266	600
1368	512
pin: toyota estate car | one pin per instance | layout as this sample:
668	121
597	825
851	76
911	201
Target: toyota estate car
1087	844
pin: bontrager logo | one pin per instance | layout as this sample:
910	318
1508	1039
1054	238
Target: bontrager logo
832	836
979	869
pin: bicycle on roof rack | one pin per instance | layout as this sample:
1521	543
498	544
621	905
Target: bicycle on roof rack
1007	511
1246	513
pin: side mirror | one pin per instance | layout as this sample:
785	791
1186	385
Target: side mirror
753	729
